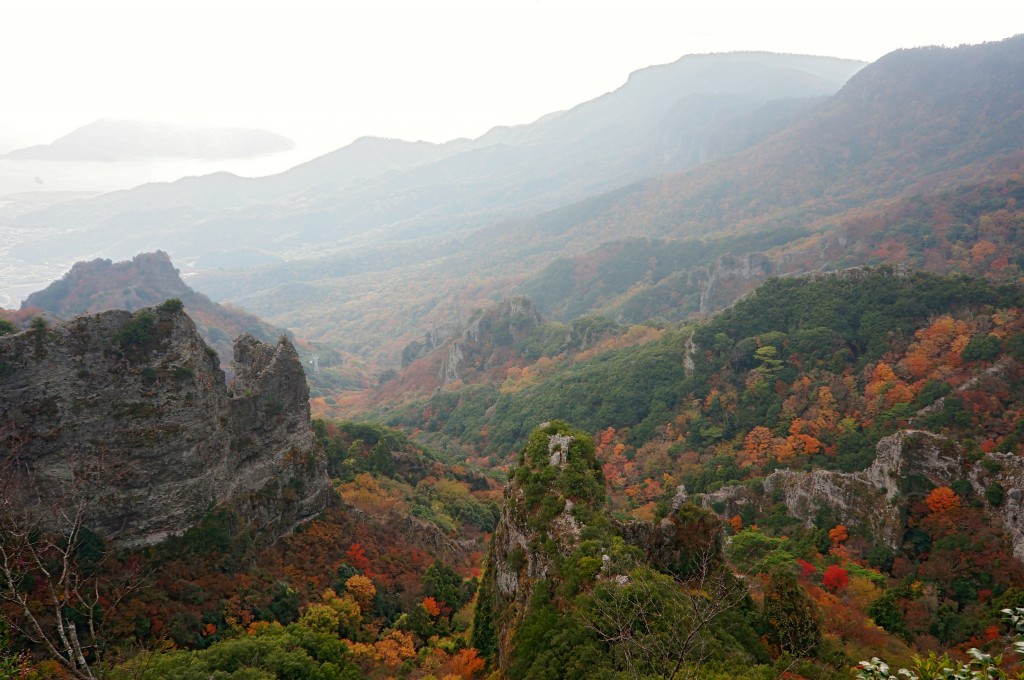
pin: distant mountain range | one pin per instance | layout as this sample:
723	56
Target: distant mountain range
375	191
733	167
118	140
917	126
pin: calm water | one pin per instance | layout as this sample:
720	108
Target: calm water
17	176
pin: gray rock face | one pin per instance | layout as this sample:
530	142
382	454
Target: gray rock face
730	277
481	343
468	351
871	498
515	562
875	499
516	566
1009	473
432	339
128	414
558	448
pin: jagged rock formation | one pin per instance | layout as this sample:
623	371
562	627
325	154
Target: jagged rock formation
485	341
432	339
514	564
150	278
555	515
906	464
871	497
147	279
729	277
128	414
487	333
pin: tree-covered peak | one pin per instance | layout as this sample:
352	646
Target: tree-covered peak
560	461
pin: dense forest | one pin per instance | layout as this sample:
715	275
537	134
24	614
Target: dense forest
805	374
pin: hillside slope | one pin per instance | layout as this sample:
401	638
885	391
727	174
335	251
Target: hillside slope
860	430
851	159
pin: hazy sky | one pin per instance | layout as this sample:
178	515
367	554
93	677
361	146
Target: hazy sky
324	73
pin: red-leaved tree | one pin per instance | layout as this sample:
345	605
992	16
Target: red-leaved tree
835	578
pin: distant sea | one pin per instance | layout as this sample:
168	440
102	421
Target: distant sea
28	185
19	176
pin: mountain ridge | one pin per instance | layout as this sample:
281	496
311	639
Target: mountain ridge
822	170
111	140
416	200
150	278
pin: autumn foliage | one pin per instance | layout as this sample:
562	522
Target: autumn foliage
838	534
835	578
942	499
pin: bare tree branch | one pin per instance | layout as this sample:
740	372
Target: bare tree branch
56	600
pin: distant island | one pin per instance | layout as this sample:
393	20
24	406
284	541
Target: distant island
120	140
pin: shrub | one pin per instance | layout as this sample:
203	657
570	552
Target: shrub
994	494
139	330
171	306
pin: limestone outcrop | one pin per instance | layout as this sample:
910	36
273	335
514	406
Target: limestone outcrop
147	279
128	415
468	351
907	463
485	336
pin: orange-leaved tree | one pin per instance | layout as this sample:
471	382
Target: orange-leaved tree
362	591
838	534
942	499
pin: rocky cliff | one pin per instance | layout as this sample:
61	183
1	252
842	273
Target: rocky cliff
907	464
150	278
147	279
488	333
467	351
515	563
127	415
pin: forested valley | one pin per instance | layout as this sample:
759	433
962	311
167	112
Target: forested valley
742	399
